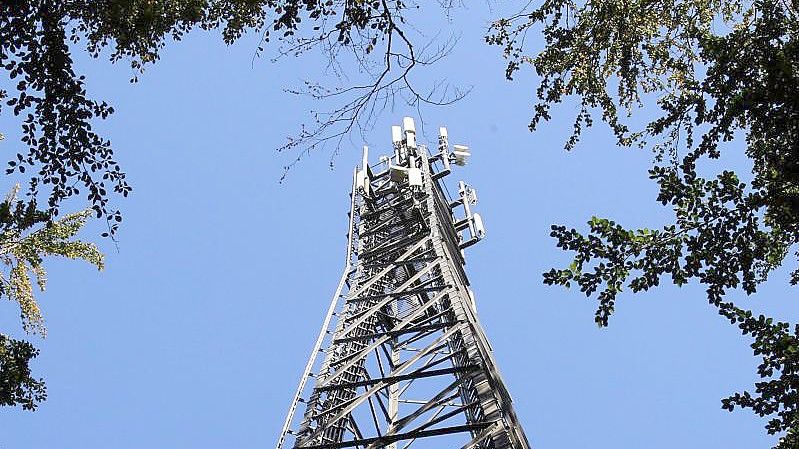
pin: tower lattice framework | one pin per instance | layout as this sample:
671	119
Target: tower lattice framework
402	360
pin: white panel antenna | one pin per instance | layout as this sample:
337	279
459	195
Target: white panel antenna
396	134
365	158
408	124
410	132
461	154
443	153
362	180
479	227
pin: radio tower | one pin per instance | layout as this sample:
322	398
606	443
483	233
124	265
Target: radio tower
402	359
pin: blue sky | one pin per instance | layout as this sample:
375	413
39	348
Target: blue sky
197	332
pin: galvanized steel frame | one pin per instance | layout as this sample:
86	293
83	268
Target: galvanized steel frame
405	323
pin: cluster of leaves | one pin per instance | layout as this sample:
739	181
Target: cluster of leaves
27	236
23	246
64	154
17	386
56	114
717	238
777	344
714	69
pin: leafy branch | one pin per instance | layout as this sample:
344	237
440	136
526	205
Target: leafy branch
27	237
699	73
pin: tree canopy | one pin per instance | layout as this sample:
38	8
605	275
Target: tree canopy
713	70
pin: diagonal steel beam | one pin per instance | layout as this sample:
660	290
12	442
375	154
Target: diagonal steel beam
435	401
363	316
399	370
362	288
353	359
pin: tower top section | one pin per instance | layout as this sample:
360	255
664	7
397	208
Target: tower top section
407	165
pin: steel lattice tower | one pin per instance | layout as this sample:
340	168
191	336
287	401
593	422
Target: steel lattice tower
402	359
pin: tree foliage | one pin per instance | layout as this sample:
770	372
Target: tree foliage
711	70
27	236
64	155
17	386
23	247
